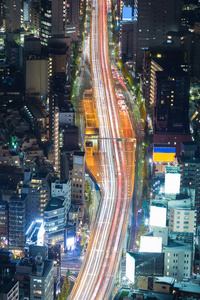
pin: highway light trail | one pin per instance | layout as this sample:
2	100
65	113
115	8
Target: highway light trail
96	277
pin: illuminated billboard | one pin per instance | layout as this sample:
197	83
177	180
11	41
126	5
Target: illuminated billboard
127	14
158	216
70	241
172	180
130	267
150	244
163	154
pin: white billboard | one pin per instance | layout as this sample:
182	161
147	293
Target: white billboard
70	241
130	268
158	216
150	244
172	180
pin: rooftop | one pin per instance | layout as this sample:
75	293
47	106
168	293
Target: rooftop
54	203
165	279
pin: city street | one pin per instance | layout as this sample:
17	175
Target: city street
97	274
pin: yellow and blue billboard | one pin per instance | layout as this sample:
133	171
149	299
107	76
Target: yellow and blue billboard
163	154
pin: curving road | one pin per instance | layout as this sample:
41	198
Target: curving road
96	278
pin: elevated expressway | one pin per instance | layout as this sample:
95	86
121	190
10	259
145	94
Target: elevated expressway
96	278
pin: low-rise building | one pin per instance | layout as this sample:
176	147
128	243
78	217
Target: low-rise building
178	259
182	220
36	278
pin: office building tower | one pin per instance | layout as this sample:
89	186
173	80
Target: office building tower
156	59
72	19
45	21
56	212
55	221
35	15
152	20
4	224
17	222
127	27
171	124
166	91
12	14
59	56
77	176
26	11
56	95
58	17
37	189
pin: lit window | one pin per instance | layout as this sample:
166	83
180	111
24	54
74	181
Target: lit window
37	292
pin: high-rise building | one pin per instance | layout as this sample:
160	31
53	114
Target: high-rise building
77	176
72	19
3	224
58	17
171	124
152	20
37	189
55	221
59	55
57	95
127	32
166	92
35	15
12	14
17	222
45	21
56	211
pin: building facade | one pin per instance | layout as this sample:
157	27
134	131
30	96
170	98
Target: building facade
77	176
4	222
152	20
17	222
178	261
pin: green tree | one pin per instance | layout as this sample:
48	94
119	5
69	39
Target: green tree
87	186
143	113
59	297
138	98
145	190
66	286
126	72
120	63
145	170
89	200
82	242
